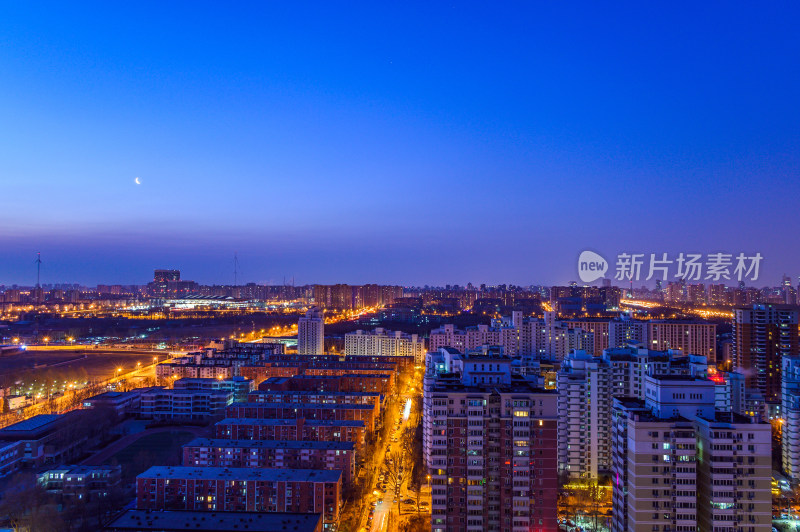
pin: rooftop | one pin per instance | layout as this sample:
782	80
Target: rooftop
153	520
243	473
185	391
82	469
451	382
30	424
358	375
293	421
315	392
273	444
306	406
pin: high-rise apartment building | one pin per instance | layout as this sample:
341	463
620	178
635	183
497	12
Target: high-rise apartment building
489	440
475	337
691	337
599	328
680	465
586	388
625	330
311	333
762	335
790	414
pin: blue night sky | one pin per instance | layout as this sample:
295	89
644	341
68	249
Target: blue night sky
393	142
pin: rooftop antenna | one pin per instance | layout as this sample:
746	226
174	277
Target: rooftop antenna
38	268
235	269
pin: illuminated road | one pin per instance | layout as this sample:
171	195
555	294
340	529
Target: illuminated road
71	398
383	509
703	312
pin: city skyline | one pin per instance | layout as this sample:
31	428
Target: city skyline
393	144
642	283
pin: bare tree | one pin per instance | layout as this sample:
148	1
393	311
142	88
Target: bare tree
393	469
415	523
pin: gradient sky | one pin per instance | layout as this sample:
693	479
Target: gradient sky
393	142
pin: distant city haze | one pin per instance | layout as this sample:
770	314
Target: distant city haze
391	144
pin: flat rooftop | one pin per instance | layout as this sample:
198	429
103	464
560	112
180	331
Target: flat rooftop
451	382
315	392
169	521
272	444
293	421
306	406
30	424
242	473
188	391
359	375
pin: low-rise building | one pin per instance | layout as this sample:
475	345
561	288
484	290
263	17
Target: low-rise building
381	342
240	386
10	457
293	429
81	481
48	438
121	403
360	412
366	382
293	454
223	489
179	521
189	405
360	398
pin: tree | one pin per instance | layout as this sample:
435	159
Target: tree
25	505
393	469
415	523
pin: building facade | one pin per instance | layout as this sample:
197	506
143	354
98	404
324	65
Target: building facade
680	465
280	454
222	489
762	335
489	440
311	333
381	342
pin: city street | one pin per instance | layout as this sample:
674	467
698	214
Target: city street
381	514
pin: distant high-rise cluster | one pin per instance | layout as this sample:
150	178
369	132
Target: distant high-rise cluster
347	297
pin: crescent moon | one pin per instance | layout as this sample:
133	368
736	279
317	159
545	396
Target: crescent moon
136	180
